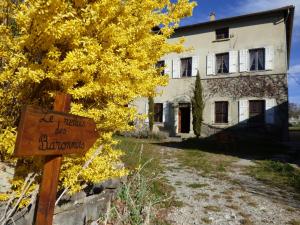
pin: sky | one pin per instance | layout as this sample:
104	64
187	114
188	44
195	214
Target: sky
229	8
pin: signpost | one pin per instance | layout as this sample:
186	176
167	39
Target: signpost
52	134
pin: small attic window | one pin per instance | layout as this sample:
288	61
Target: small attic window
222	33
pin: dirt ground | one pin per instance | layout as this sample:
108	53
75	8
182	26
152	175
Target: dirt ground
230	198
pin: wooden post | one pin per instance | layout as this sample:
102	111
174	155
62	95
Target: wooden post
48	188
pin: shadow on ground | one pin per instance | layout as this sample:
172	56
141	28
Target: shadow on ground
255	149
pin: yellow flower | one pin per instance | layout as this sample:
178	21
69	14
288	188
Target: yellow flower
101	52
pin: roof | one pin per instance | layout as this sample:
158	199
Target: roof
288	12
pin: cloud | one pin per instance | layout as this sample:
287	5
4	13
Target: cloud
295	69
248	6
294	83
294	76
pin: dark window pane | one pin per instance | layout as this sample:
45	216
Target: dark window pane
222	33
261	59
159	65
221	112
222	63
158	112
186	67
257	111
257	59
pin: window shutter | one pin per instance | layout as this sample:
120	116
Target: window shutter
210	64
146	111
233	61
176	68
168	67
270	111
244	60
243	111
165	112
195	65
269	58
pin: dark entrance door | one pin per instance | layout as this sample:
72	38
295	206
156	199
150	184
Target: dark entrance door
184	117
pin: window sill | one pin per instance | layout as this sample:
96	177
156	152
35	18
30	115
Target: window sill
182	77
251	71
238	74
222	74
221	40
221	125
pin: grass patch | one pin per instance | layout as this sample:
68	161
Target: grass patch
201	195
252	204
178	183
207	163
289	209
143	160
216	196
212	208
294	222
277	174
294	128
177	204
235	207
197	185
206	220
246	219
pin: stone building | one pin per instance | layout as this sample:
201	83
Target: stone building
242	62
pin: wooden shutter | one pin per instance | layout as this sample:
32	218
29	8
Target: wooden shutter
195	65
168	67
270	111
243	111
176	68
269	58
211	64
233	61
147	111
221	112
244	60
165	112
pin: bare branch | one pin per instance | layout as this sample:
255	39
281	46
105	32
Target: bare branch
86	164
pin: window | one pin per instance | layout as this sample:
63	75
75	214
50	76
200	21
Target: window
222	63
222	33
221	112
186	67
160	65
158	112
257	59
257	111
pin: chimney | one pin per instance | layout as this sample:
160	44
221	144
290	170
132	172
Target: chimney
212	16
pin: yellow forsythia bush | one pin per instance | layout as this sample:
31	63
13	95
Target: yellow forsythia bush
101	52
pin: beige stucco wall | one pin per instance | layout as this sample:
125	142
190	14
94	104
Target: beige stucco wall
245	34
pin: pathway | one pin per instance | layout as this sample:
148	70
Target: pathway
230	198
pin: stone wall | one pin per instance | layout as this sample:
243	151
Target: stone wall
80	209
250	87
262	86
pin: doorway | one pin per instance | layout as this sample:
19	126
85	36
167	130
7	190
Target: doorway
184	118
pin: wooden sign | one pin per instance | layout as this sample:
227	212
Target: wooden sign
43	132
52	134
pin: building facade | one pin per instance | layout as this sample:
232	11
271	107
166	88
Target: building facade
242	62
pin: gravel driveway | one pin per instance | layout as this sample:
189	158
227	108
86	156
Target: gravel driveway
230	198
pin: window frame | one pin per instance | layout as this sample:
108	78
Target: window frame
224	33
216	63
160	64
223	114
257	59
188	71
257	117
158	114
